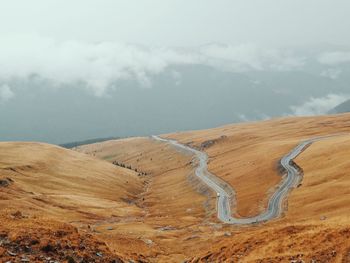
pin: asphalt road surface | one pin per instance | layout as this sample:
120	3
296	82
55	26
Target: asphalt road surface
224	198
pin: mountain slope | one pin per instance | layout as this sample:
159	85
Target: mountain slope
316	224
342	108
53	196
130	110
246	156
156	210
55	181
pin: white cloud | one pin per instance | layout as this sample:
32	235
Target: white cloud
242	117
334	58
256	82
249	57
176	77
5	93
257	117
332	73
319	106
99	65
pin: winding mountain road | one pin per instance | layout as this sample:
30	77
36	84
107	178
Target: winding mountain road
225	193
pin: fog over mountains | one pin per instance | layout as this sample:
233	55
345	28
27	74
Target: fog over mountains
341	108
60	92
112	68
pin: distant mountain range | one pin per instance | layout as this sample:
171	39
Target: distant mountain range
181	97
90	141
342	108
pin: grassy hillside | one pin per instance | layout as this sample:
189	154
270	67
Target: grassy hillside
246	156
156	210
53	180
315	227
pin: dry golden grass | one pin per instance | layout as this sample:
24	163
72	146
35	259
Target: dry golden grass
325	191
37	239
65	183
173	201
169	216
316	225
247	155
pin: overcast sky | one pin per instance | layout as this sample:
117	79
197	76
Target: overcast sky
100	41
181	22
89	52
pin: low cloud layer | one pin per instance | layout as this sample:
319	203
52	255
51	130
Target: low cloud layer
99	65
5	93
248	57
334	58
332	73
96	65
318	106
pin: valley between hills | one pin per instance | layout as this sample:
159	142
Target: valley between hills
139	199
